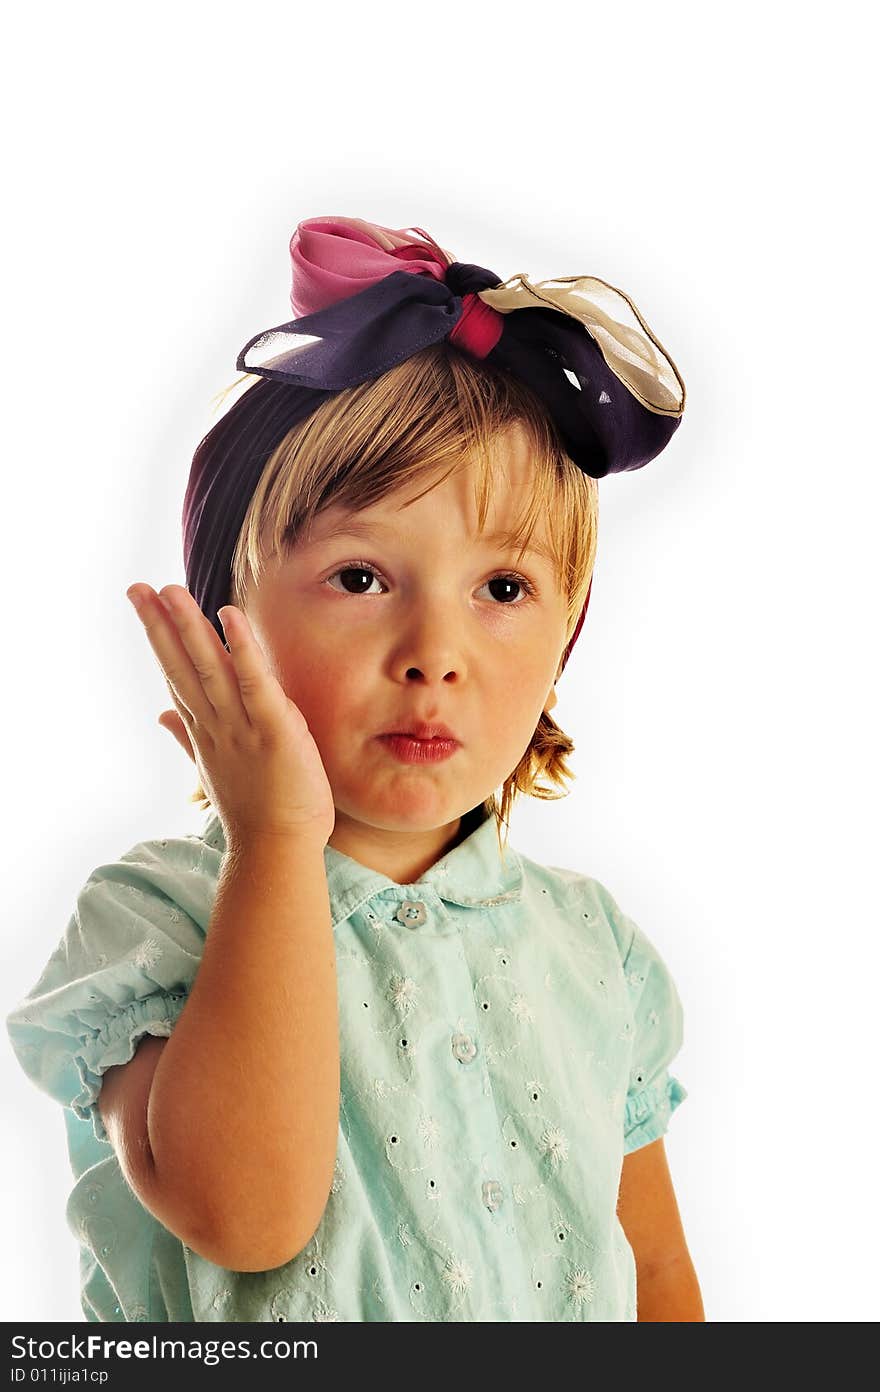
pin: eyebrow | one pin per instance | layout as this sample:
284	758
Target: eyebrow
370	529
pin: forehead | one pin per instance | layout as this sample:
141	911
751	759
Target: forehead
401	514
372	527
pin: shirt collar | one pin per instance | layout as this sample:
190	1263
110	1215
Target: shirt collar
472	874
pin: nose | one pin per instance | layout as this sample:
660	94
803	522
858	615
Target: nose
418	675
430	657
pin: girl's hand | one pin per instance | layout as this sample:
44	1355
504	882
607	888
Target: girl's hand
251	744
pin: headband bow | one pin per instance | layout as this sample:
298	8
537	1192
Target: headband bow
365	298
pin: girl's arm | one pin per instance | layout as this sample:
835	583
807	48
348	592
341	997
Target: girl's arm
227	1130
667	1287
671	1295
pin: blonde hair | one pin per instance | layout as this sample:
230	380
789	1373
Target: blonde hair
395	431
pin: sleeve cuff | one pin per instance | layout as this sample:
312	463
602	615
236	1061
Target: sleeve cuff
647	1113
115	1043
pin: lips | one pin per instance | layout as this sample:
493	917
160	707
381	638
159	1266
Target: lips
423	730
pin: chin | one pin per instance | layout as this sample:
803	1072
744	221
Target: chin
397	811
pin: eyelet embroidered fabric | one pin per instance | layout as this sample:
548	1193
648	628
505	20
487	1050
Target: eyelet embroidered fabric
505	1036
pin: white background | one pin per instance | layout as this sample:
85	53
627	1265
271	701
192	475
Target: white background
718	165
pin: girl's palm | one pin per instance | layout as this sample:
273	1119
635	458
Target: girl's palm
256	757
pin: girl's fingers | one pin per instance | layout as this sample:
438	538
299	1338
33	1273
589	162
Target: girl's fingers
200	675
213	665
259	691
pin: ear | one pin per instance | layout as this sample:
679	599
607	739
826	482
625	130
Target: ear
551	698
171	721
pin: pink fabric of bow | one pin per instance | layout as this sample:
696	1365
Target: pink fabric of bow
334	258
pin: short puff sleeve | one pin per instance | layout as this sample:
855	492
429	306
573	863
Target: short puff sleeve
657	1028
123	969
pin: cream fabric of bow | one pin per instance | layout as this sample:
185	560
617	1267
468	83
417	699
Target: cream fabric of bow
633	353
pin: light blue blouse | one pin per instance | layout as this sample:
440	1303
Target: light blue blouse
505	1032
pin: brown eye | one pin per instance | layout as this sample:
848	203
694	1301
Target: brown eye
504	583
355	568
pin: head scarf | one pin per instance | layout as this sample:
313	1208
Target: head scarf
365	298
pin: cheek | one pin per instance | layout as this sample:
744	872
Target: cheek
522	677
321	685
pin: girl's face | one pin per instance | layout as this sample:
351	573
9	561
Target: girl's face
400	613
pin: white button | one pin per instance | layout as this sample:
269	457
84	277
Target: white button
492	1193
412	913
463	1047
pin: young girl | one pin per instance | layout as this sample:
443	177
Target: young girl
346	1055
